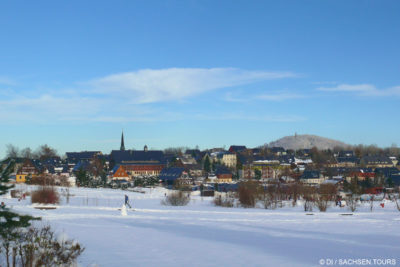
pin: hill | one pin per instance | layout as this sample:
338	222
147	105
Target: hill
306	141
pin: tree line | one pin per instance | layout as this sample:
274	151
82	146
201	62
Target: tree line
42	152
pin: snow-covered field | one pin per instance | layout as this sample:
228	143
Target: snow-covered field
201	234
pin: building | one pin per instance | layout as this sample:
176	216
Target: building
237	149
75	157
171	176
28	168
376	162
228	159
312	177
223	174
138	162
119	173
347	161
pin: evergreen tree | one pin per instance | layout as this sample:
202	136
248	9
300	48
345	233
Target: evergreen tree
82	178
10	221
207	164
257	174
390	182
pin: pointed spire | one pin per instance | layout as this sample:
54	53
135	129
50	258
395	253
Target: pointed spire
122	142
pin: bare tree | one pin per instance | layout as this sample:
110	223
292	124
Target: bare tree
308	193
46	152
27	153
12	151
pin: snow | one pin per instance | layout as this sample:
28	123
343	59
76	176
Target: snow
61	238
201	234
123	210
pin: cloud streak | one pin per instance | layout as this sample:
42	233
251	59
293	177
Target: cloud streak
133	97
363	90
150	86
277	97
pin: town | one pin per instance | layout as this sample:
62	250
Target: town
362	171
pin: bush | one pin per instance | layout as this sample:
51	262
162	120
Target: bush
224	201
38	247
177	198
248	193
352	203
321	203
42	180
45	195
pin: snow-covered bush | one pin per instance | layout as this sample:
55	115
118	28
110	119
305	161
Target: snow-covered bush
352	203
45	195
177	198
321	203
224	201
38	247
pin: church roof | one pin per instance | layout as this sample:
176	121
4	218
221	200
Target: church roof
138	157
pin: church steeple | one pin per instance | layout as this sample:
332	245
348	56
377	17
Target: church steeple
122	142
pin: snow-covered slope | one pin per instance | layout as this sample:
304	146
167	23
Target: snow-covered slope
306	141
201	234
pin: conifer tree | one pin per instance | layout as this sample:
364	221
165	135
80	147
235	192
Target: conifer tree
10	221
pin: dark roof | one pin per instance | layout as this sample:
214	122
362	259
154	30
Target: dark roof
347	159
194	166
346	153
244	159
310	174
376	160
82	165
256	151
237	148
138	157
170	174
222	170
387	172
277	149
78	156
396	179
286	159
224	187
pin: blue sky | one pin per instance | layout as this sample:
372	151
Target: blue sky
73	74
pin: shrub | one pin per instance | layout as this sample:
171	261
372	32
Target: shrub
224	201
45	195
352	203
308	205
321	203
39	247
177	198
248	193
42	180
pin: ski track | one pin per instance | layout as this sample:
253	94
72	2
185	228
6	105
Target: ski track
203	235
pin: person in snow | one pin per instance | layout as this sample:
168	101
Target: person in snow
127	201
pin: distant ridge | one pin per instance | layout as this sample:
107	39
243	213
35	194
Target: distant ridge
307	141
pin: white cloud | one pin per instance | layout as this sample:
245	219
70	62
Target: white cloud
279	97
148	86
363	90
349	88
120	98
255	117
266	97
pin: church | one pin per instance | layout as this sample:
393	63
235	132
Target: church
138	162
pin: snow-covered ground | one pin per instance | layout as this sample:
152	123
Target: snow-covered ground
201	234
